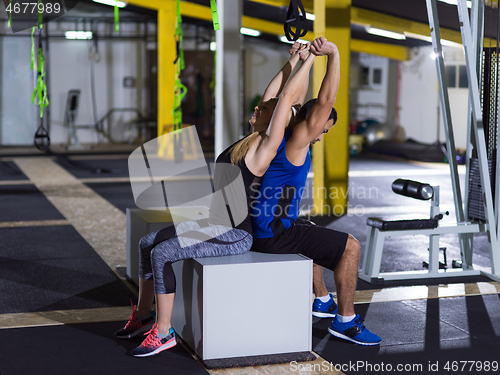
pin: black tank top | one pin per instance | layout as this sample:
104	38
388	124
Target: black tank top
222	177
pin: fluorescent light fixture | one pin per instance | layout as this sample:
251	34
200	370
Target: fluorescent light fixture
434	55
449	43
418	36
454	2
444	42
250	32
285	40
213	46
310	16
384	33
78	34
119	4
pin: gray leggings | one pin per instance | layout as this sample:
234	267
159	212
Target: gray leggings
191	239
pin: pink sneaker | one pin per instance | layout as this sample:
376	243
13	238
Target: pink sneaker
135	325
154	343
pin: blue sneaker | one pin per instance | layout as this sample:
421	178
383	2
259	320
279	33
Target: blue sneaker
354	331
324	309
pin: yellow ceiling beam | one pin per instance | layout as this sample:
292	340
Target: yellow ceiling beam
390	51
381	49
150	4
197	11
265	26
308	4
358	16
399	25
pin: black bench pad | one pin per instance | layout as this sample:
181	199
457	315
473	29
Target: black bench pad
384	225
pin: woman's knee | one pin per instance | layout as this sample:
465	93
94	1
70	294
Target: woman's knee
146	242
161	255
156	257
145	249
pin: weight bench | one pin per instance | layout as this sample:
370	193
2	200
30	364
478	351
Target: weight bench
379	229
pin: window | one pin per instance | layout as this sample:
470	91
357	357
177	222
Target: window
377	76
364	78
370	76
451	72
462	77
456	76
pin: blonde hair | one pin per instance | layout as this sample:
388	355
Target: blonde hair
239	150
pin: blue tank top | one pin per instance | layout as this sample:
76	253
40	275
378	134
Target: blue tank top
278	204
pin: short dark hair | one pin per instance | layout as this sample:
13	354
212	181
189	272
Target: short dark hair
306	108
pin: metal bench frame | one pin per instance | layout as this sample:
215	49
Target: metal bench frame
375	245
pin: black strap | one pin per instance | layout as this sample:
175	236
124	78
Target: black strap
42	139
297	19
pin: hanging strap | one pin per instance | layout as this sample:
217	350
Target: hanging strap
9	22
215	14
180	89
40	90
42	139
296	16
117	17
179	38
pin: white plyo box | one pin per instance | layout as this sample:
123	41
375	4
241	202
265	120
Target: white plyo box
244	305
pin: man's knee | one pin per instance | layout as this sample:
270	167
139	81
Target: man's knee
352	246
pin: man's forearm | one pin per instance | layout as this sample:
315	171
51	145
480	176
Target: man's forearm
330	85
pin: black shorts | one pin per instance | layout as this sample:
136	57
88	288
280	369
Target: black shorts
323	245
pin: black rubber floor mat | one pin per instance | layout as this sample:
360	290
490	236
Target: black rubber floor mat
25	203
10	171
118	194
411	150
54	268
95	168
83	349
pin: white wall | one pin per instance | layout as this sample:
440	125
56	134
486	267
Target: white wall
18	117
372	99
419	99
459	99
68	66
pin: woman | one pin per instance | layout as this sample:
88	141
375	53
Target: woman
252	155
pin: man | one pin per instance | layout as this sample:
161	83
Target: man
274	216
